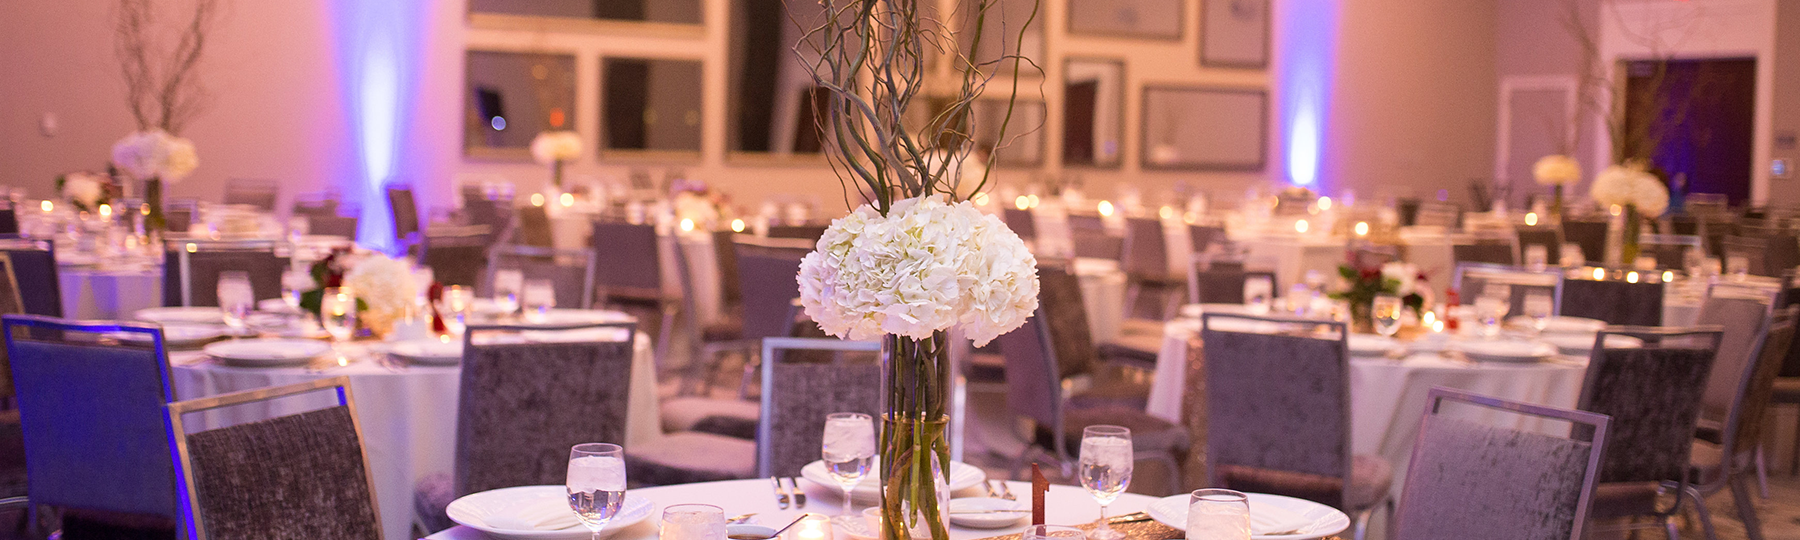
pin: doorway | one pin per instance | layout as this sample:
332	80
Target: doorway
1695	120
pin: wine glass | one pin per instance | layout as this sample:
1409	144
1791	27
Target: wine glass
1491	308
337	312
1106	461
596	484
1538	306
236	298
1257	290
1537	257
1738	266
849	450
457	301
506	289
1218	514
692	522
1386	312
538	297
1052	532
294	283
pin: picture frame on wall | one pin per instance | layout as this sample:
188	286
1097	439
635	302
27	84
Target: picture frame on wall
1234	33
1188	127
1136	19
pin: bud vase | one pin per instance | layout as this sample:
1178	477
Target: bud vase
153	200
915	450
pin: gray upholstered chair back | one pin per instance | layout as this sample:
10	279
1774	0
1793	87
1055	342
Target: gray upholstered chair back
1204	237
1277	404
191	270
1063	317
797	396
1615	302
258	193
405	211
522	405
1550	238
534	226
725	255
804	232
34	265
570	271
766	277
1092	223
1487	252
1745	318
1021	223
1744	426
1097	245
1751	249
1224	285
626	261
332	225
95	433
1473	279
1670	250
1590	235
294	477
458	256
1472	480
1145	251
1652	393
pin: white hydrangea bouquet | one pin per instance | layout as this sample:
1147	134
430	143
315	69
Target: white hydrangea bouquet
386	287
1556	171
554	148
156	158
1638	193
85	191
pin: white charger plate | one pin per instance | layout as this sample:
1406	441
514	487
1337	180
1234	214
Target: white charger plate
175	334
1325	520
472	511
1503	350
266	352
1370	344
986	521
962	476
429	351
195	314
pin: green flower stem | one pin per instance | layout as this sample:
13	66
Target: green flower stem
915	452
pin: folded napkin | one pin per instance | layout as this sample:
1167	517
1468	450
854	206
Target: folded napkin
1270	519
541	514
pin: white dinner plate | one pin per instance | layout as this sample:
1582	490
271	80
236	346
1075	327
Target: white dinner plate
1368	345
1582	344
275	305
563	317
1562	325
429	351
196	314
962	476
175	334
1317	520
475	509
267	352
1504	350
987	504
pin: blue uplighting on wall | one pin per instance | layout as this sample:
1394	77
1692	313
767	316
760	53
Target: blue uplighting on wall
1304	73
378	50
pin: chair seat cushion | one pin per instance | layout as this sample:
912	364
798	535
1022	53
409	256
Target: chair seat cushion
688	457
1119	392
1624	499
1138	350
1787	390
1370	479
431	497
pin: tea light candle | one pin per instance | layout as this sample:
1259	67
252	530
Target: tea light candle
813	527
106	210
537	199
1300	226
47	206
1531	219
687	225
1166	212
737	225
1022	202
1105	207
567	199
1362	228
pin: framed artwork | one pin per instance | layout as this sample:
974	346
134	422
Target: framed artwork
1142	19
1234	33
1204	128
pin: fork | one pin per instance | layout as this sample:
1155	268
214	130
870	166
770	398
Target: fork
799	495
781	497
1006	492
989	486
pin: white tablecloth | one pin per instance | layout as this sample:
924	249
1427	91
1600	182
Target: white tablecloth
573	230
90	293
408	417
1387	398
1291	257
1102	295
1063	505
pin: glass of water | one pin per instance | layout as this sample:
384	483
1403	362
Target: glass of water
337	312
294	283
1537	257
457	301
1491	308
1052	532
1257	290
1218	514
507	284
692	522
596	484
849	450
1106	462
538	297
236	299
1738	266
1539	306
1385	311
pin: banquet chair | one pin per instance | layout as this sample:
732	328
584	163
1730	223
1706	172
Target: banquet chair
1670	250
1751	249
1146	263
1097	245
315	204
258	193
1278	414
332	225
1212	283
191	275
807	232
1204	238
522	405
1589	234
1684	225
180	214
293	477
1724	453
12	450
1612	301
1021	223
1477	480
34	267
456	255
707	340
533	227
569	271
1548	237
628	273
798	395
96	441
404	210
1086	223
1485	252
1047	351
1473	279
1652	393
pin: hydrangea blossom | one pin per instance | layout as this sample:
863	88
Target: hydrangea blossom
155	154
1557	170
1631	185
553	146
386	286
926	266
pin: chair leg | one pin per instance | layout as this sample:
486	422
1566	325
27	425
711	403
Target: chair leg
1706	524
1740	494
663	335
1762	471
1669	528
1794	466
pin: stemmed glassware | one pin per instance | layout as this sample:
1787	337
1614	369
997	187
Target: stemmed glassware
1491	308
596	483
294	283
1218	514
507	284
236	299
1257	290
849	451
457	302
1539	305
1385	311
538	297
1106	462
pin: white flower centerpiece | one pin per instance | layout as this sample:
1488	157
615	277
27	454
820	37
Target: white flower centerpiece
85	191
385	286
1556	171
554	148
156	158
1640	194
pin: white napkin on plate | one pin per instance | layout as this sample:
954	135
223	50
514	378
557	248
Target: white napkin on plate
542	514
1268	519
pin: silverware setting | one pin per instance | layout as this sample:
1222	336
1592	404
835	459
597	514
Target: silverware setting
781	497
1006	492
799	494
740	519
1132	518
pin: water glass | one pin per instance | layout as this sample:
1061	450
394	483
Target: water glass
337	312
1106	463
848	450
1385	311
507	284
1257	290
457	302
236	299
596	483
1537	257
1539	305
1300	299
692	522
1738	266
1218	514
294	283
1052	532
1572	256
1491	308
538	297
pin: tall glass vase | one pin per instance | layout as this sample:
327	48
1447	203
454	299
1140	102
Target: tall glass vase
154	222
915	449
1628	238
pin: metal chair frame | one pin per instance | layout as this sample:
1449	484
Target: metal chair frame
1464	268
504	249
764	427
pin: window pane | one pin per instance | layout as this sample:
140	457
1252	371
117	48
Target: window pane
510	97
666	11
650	104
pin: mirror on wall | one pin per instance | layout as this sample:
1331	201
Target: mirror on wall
1093	112
1198	127
510	97
663	11
773	102
650	104
1023	144
1000	36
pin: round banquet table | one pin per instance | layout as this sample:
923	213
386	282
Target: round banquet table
91	293
1063	505
1387	397
407	414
